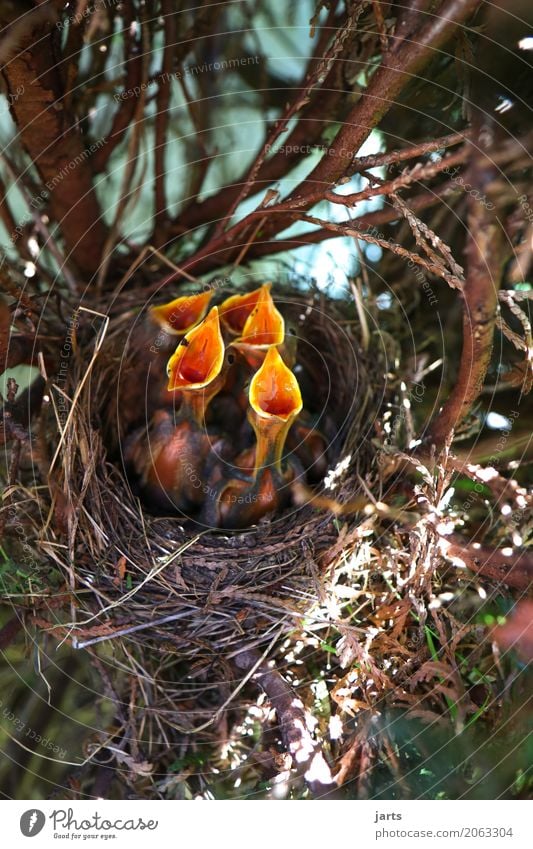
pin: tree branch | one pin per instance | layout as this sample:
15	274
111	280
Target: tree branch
397	69
203	261
313	118
133	62
52	140
485	254
293	723
511	566
419	172
161	121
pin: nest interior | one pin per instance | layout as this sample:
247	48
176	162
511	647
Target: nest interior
173	585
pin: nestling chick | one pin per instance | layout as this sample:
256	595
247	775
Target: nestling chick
275	401
151	343
263	328
170	457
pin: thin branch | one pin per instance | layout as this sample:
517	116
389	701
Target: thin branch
369	221
293	720
220	253
293	108
433	246
380	23
241	229
351	228
126	191
484	251
376	160
308	130
511	566
133	62
23	301
201	165
161	119
51	138
420	171
41	228
396	70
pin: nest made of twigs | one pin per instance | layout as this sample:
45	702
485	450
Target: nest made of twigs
173	585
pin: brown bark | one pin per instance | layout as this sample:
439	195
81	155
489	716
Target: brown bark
54	143
511	566
398	68
291	715
485	252
401	64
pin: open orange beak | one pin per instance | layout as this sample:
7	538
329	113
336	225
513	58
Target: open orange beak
265	325
195	368
263	328
274	390
198	359
182	314
235	311
275	401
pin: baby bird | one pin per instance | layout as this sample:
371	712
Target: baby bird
179	316
176	318
235	310
235	315
263	328
275	401
143	370
195	368
170	457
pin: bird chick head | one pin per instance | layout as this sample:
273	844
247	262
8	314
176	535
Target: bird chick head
265	325
274	390
199	357
235	311
182	314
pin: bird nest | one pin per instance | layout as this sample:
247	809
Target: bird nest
178	586
188	612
